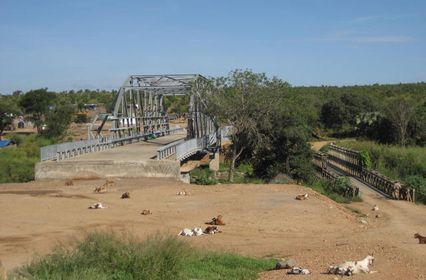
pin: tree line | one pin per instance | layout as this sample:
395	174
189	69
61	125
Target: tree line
272	121
51	112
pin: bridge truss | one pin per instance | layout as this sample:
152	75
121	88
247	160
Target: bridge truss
139	106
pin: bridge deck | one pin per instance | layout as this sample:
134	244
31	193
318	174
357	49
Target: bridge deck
135	160
142	150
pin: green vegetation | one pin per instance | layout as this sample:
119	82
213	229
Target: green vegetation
407	164
17	164
365	159
243	175
81	118
272	123
393	114
8	110
333	189
177	104
270	129
36	104
203	176
108	256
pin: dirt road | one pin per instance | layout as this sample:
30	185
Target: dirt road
262	220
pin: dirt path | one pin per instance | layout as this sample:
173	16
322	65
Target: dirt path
317	145
262	220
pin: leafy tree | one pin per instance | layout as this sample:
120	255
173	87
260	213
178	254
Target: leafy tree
8	110
243	100
333	113
286	150
356	104
58	119
417	127
37	103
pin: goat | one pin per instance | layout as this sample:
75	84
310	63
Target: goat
146	212
352	267
96	206
212	230
103	188
299	270
184	193
362	265
198	231
186	232
346	268
69	183
217	221
302	196
422	239
191	232
125	195
100	189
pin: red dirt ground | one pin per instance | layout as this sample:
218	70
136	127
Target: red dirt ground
262	220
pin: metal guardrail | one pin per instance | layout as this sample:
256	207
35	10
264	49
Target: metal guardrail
186	148
71	149
349	161
168	150
321	163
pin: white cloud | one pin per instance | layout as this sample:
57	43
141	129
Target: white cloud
358	38
372	18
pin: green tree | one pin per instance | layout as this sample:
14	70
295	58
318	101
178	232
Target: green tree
333	113
417	127
58	119
288	130
243	100
37	103
8	111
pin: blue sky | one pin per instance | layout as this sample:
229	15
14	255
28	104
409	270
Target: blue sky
73	44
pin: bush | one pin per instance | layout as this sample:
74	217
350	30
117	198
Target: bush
335	190
108	256
339	186
17	163
419	183
17	139
365	159
81	118
203	176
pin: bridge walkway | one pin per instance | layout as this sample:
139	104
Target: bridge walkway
142	150
356	182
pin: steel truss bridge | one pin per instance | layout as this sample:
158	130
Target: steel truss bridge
138	113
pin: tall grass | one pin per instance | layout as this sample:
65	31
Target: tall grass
108	256
407	164
17	163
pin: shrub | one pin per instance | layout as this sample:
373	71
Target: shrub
325	148
335	190
365	159
17	163
17	139
203	176
81	118
339	186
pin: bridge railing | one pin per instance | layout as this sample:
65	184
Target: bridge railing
190	147
66	150
320	162
349	161
168	150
